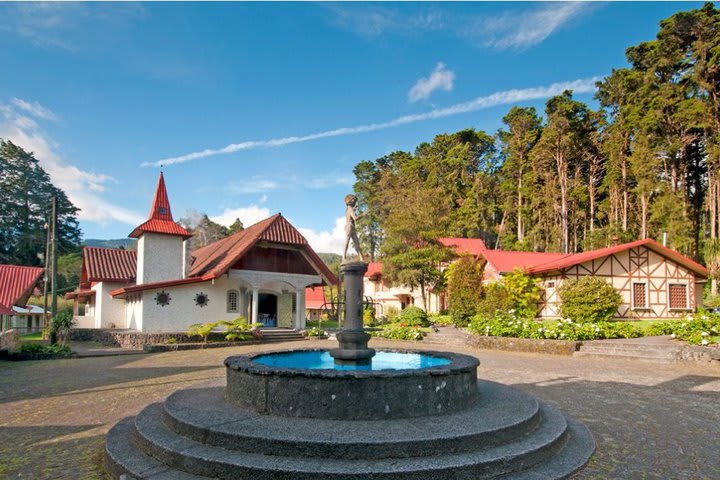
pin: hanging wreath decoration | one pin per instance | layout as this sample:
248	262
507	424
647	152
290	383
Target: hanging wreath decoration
162	298
201	299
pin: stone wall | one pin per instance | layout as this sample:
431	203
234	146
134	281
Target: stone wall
555	347
133	340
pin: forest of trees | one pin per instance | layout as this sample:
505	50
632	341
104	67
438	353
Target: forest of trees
26	194
647	162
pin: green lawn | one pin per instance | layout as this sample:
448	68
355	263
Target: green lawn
31	336
323	324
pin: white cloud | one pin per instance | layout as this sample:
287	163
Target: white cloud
253	185
247	215
375	20
34	109
512	30
505	97
331	241
440	79
81	187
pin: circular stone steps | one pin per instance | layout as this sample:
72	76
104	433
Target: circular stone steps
196	434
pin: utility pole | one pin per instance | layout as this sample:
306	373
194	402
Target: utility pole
46	278
53	308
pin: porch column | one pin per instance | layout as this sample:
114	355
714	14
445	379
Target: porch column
255	301
300	308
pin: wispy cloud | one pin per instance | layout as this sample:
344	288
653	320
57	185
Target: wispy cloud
252	185
82	187
247	215
34	109
528	28
507	29
439	79
49	24
504	97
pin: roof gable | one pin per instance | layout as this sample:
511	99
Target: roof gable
108	264
473	246
217	258
578	258
16	285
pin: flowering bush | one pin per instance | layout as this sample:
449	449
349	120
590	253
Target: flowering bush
588	299
516	292
315	332
700	329
509	325
399	332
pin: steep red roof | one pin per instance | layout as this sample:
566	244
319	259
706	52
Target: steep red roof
16	284
578	258
374	269
108	265
314	297
473	246
162	284
160	219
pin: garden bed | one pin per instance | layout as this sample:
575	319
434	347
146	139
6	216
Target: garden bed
20	356
528	345
174	347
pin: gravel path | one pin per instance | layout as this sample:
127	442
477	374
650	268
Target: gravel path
650	420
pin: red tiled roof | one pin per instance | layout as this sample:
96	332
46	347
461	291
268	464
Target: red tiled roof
575	259
16	284
473	246
108	264
374	269
160	219
314	297
505	261
163	284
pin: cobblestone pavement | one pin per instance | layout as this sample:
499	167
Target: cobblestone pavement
649	420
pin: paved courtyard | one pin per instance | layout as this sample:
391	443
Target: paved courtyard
650	420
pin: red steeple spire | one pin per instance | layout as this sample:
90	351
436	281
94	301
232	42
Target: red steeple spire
160	219
160	209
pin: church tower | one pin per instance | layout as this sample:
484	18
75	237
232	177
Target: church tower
160	247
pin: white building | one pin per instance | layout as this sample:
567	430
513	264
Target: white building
260	273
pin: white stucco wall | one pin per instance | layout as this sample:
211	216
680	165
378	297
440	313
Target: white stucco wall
160	257
109	312
134	312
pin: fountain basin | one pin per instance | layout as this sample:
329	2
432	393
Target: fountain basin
264	383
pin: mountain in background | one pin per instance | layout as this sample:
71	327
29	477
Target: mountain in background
126	243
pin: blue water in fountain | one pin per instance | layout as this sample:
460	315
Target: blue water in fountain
321	360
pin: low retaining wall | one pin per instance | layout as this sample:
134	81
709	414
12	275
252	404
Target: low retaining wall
134	340
529	345
173	347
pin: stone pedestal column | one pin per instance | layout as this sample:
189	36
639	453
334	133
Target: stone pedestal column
255	304
352	339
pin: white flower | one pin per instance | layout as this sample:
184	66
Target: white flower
704	342
704	334
704	317
562	335
684	325
672	335
512	310
597	329
714	329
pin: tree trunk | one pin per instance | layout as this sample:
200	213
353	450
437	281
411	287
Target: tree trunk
520	232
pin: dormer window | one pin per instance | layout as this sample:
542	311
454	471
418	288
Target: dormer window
162	210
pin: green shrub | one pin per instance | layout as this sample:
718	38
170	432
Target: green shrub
171	340
412	316
399	332
702	328
588	299
201	330
509	325
42	348
524	293
369	317
441	320
391	314
316	332
238	329
495	299
60	326
464	288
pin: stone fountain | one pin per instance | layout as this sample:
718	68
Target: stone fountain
349	413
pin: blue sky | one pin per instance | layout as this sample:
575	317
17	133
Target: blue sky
262	108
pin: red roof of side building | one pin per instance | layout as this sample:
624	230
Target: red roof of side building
374	269
505	261
108	265
16	284
473	246
314	297
160	219
578	258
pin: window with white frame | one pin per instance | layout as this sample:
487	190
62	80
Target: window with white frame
678	296
232	301
639	295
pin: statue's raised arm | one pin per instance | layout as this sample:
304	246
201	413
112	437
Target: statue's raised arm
350	230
